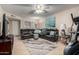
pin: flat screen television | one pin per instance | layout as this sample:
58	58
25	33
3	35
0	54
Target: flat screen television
4	27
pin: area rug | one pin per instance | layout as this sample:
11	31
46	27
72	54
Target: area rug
40	46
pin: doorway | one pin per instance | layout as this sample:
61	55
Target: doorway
14	26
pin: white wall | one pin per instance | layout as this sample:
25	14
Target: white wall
8	15
32	19
64	17
61	17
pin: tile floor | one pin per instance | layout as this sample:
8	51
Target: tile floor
19	48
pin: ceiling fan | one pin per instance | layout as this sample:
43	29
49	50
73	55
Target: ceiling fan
38	9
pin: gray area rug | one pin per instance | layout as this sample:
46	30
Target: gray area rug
40	46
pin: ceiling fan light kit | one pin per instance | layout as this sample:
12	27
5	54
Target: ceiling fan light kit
39	8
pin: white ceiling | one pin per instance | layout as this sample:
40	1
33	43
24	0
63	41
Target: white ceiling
24	10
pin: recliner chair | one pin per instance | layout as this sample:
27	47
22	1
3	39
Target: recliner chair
50	34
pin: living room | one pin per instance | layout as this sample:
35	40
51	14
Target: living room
38	29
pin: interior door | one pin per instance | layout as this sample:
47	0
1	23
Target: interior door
16	28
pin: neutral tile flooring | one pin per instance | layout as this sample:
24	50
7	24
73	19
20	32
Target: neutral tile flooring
58	51
19	48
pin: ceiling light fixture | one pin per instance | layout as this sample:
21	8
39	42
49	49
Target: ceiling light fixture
39	8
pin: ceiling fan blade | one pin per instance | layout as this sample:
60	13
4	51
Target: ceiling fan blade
31	12
45	11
